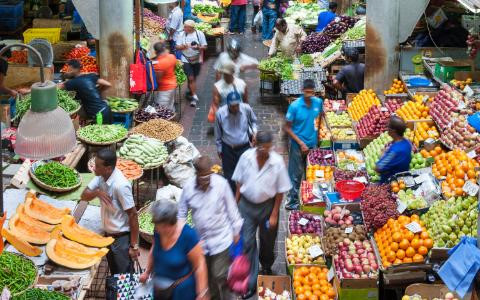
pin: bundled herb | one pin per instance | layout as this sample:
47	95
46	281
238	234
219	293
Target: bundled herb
57	175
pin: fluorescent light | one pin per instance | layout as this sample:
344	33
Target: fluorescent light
471	5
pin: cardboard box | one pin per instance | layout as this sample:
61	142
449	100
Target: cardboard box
445	70
428	291
463	75
354	289
291	267
277	284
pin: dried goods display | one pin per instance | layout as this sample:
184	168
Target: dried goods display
159	129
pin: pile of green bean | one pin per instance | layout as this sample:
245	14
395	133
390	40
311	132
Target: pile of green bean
102	133
65	101
56	175
40	294
16	273
146	224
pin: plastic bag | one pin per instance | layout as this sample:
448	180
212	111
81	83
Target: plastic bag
257	21
179	165
169	192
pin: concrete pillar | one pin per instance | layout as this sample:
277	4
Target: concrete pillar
116	44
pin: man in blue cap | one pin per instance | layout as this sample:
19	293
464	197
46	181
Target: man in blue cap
235	128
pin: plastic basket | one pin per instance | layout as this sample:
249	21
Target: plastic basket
50	34
349	189
11	10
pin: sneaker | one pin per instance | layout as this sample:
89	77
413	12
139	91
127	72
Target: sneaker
193	103
267	43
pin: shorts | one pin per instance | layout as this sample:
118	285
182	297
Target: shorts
191	69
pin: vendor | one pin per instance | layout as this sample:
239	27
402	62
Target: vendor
288	39
350	78
3	73
87	88
397	157
234	55
325	17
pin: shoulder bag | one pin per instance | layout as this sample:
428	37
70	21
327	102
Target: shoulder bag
166	293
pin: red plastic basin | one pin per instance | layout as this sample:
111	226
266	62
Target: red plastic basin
349	189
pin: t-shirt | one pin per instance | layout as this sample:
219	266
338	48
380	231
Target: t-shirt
242	60
304	119
352	76
239	2
395	160
175	22
324	18
224	89
187	39
166	64
86	90
3	67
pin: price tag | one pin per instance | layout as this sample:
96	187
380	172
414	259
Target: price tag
431	132
350	167
349	230
468	91
414	227
418	192
328	155
330	274
384	109
361	179
315	251
349	132
401	207
470	188
336	106
317	217
320	173
461	105
150	109
303	221
423	177
425	99
409	181
324	185
472	154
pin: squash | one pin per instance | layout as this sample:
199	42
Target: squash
31	221
42	211
27	232
21	245
82	235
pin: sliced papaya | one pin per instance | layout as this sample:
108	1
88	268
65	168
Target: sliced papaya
31	221
20	244
73	255
28	232
43	211
79	234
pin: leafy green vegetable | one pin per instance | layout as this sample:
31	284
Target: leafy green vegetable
355	33
306	60
180	74
122	104
204	27
65	101
57	175
40	294
206	9
302	13
146	224
279	65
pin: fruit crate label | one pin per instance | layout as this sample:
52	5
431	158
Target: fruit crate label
324	185
461	105
470	188
423	177
330	274
320	173
349	132
328	155
303	221
349	230
401	207
350	167
315	251
384	109
472	154
414	227
361	179
317	217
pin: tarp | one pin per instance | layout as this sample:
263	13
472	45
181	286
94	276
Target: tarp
89	11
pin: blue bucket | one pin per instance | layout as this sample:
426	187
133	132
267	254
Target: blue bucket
474	120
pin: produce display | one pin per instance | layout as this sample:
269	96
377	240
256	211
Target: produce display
155	112
118	104
299	250
319	173
357	32
147	152
18	273
424	131
356	259
308	281
393	104
448	296
89	64
321	157
96	133
335	235
65	101
302	13
309	223
349	160
443	105
21	245
306	192
145	221
153	24
159	129
180	74
461	83
372	154
40	294
398	245
448	220
267	294
18	57
206	9
57	175
306	60
339	25
338	120
397	88
315	42
418	161
204	27
340	174
42	211
130	169
338	216
79	234
432	153
459	134
323	132
77	53
334	105
361	104
456	168
409	199
378	206
374	122
413	110
343	134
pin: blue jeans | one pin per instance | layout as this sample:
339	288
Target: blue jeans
269	19
238	15
296	168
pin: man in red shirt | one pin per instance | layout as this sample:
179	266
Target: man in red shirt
238	12
164	66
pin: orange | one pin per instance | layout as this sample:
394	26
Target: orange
301	297
417	258
407	260
308	294
459	173
422	250
428	243
391	256
404	244
409	235
397	237
394	246
324	289
331	293
397	261
459	182
400	254
316	286
410	252
387	264
415	243
299	290
424	235
323	297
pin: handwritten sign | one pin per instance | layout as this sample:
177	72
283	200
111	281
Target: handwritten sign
303	221
315	251
349	230
470	188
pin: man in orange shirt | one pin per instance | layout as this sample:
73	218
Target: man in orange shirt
164	66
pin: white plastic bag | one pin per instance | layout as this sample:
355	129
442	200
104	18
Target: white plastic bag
179	165
169	192
257	21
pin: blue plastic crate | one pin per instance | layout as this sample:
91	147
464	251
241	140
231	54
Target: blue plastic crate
11	101
124	119
11	10
10	24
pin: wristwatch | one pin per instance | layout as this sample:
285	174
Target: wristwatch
134	247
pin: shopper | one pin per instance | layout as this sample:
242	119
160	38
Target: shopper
301	126
192	43
3	73
176	256
228	85
238	16
85	87
262	179
350	78
288	39
325	17
269	14
397	157
235	127
118	213
174	27
216	219
234	54
164	66
256	9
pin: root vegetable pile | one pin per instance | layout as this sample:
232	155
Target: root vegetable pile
378	205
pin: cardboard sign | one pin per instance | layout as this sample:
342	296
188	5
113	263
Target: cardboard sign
315	251
470	188
303	221
414	227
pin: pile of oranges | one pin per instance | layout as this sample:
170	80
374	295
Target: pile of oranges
457	168
432	153
398	245
310	283
312	176
361	104
397	186
413	110
397	88
424	131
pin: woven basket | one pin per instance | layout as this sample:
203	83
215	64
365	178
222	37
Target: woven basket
124	111
44	186
91	167
36	272
71	113
180	132
101	143
148	237
169	119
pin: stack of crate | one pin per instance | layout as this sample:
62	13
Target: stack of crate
11	16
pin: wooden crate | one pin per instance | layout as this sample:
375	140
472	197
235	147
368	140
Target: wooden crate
22	75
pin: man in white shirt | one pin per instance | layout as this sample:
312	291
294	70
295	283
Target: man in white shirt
235	56
118	212
216	219
288	39
174	26
262	179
